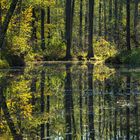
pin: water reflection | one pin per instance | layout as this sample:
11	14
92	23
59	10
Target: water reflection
69	101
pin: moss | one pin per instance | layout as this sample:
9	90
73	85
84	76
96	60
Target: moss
3	64
126	57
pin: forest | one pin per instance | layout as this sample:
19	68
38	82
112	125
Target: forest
69	69
71	30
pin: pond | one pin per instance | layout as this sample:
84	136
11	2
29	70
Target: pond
70	101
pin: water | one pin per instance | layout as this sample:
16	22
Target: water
63	101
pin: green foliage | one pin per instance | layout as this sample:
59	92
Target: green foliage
126	57
103	49
4	64
55	50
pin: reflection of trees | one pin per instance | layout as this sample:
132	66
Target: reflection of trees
90	101
48	110
8	117
128	82
33	89
136	117
42	101
108	113
68	100
80	104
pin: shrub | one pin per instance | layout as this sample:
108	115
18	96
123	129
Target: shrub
55	50
4	64
103	49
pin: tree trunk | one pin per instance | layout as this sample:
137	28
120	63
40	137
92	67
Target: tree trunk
34	29
110	21
116	21
68	28
42	29
136	23
48	22
0	18
90	29
80	27
7	21
86	26
100	24
128	25
105	26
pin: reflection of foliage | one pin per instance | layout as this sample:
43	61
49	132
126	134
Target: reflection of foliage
102	72
20	98
36	120
28	117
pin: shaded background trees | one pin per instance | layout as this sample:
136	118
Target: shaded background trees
80	29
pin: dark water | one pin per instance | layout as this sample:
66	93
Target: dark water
70	102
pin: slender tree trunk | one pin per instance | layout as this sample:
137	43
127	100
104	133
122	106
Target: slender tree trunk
68	28
7	21
128	25
72	14
90	30
81	25
120	15
116	21
136	23
0	17
100	24
105	26
86	26
34	29
42	29
110	20
49	22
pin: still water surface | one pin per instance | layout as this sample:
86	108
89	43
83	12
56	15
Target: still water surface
63	101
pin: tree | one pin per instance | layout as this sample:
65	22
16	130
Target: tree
0	17
105	26
136	23
100	11
48	21
7	21
116	21
34	29
128	25
80	26
42	29
90	30
110	20
68	27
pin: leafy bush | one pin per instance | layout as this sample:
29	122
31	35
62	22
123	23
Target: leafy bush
103	49
126	57
55	50
4	64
